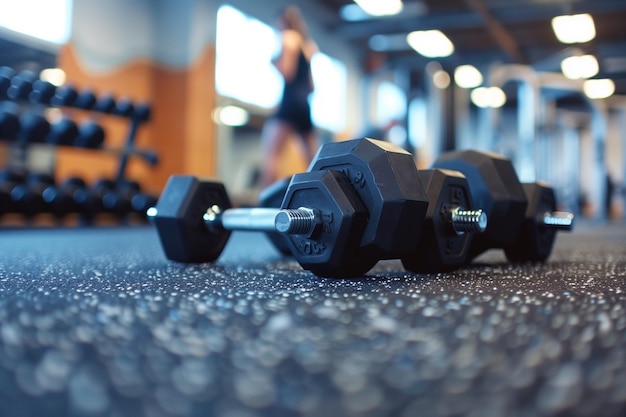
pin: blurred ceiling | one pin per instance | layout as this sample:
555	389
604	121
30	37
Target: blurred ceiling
483	32
25	53
488	31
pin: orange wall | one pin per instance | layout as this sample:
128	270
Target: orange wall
180	131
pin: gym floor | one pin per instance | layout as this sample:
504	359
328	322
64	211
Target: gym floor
96	322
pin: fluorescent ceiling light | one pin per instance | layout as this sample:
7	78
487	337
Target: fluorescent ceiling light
54	76
380	7
231	116
430	43
441	79
599	88
467	76
578	67
488	97
577	28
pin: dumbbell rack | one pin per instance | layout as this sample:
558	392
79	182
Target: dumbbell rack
23	100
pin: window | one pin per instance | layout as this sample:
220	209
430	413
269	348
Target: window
328	101
244	50
390	103
244	69
49	20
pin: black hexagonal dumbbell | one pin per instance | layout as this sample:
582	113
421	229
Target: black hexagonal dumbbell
272	196
85	99
9	120
62	132
321	214
25	194
44	187
90	135
84	201
451	221
495	188
43	92
104	104
8	180
385	178
113	201
139	201
6	73
34	127
64	95
541	222
21	85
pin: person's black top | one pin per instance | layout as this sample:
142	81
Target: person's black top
294	107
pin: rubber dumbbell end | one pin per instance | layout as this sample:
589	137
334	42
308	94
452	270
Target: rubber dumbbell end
302	221
468	221
559	220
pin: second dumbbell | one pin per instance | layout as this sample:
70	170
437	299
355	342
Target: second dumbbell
322	216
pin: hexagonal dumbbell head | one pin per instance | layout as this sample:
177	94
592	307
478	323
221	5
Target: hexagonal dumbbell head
385	178
272	196
538	231
179	222
333	249
441	247
495	188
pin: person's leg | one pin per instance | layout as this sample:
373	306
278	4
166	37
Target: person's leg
274	137
310	145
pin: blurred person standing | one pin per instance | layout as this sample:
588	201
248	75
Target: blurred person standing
293	117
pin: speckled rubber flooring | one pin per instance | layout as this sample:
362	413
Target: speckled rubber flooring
96	322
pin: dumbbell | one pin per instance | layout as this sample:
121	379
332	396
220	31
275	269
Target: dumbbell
42	92
86	203
21	85
53	200
141	112
541	222
8	180
385	178
450	223
123	107
34	127
321	215
64	95
90	135
9	120
63	132
140	202
104	104
6	73
272	197
495	187
112	200
86	100
25	199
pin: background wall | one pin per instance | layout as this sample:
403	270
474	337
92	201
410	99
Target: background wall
163	51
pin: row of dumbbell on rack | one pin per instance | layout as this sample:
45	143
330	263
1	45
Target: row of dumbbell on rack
34	194
26	87
364	200
32	127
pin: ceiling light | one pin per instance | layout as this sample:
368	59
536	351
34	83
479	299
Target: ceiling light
467	76
441	79
577	28
577	67
430	43
599	88
380	7
54	76
231	116
488	97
